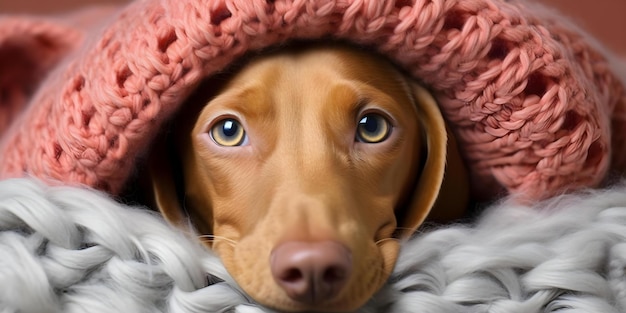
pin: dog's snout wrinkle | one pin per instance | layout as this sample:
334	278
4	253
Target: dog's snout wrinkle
311	272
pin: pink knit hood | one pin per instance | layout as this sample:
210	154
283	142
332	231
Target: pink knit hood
536	105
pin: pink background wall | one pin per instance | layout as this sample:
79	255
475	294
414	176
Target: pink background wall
604	18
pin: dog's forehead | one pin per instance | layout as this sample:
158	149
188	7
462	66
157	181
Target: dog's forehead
342	61
318	69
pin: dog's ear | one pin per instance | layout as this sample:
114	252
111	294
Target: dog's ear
164	183
166	170
428	185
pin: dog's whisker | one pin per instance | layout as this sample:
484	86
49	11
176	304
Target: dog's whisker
386	239
214	238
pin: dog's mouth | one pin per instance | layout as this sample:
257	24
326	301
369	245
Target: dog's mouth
309	276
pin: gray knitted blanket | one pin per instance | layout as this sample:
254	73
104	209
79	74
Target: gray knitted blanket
68	249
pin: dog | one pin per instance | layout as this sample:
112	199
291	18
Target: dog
305	169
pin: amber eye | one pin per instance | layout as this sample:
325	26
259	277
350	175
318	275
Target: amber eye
373	128
228	132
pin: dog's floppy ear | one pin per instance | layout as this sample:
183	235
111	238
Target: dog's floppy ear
166	174
428	185
164	184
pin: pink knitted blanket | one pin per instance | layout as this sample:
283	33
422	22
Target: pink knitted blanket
537	106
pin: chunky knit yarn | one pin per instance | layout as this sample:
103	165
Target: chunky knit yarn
67	249
536	105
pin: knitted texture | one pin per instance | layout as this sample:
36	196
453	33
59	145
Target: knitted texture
30	48
25	57
75	250
533	101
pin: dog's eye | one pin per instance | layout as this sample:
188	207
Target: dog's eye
373	128
228	133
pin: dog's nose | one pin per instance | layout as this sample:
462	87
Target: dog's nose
311	272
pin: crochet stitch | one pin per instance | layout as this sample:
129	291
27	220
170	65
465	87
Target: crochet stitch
535	103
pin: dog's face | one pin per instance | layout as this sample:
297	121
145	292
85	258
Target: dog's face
296	170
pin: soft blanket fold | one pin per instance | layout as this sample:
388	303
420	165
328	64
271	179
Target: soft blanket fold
538	107
68	249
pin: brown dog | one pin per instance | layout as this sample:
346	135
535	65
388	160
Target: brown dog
305	169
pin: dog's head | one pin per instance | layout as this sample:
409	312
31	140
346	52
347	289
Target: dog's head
304	171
